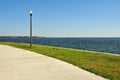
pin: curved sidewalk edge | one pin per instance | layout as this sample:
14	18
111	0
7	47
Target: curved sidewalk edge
18	64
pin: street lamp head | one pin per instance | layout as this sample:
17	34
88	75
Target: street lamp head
30	11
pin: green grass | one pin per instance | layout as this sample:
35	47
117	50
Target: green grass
104	65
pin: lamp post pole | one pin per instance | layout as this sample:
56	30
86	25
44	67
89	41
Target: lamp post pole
30	28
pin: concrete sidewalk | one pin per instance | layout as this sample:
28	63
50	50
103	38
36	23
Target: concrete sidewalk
18	64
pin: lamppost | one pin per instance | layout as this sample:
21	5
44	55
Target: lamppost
30	28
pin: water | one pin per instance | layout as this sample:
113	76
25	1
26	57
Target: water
109	45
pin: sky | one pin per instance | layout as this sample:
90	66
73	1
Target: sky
61	18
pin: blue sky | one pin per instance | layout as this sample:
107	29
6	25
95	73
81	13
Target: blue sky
61	18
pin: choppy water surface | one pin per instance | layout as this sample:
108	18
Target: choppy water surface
110	45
